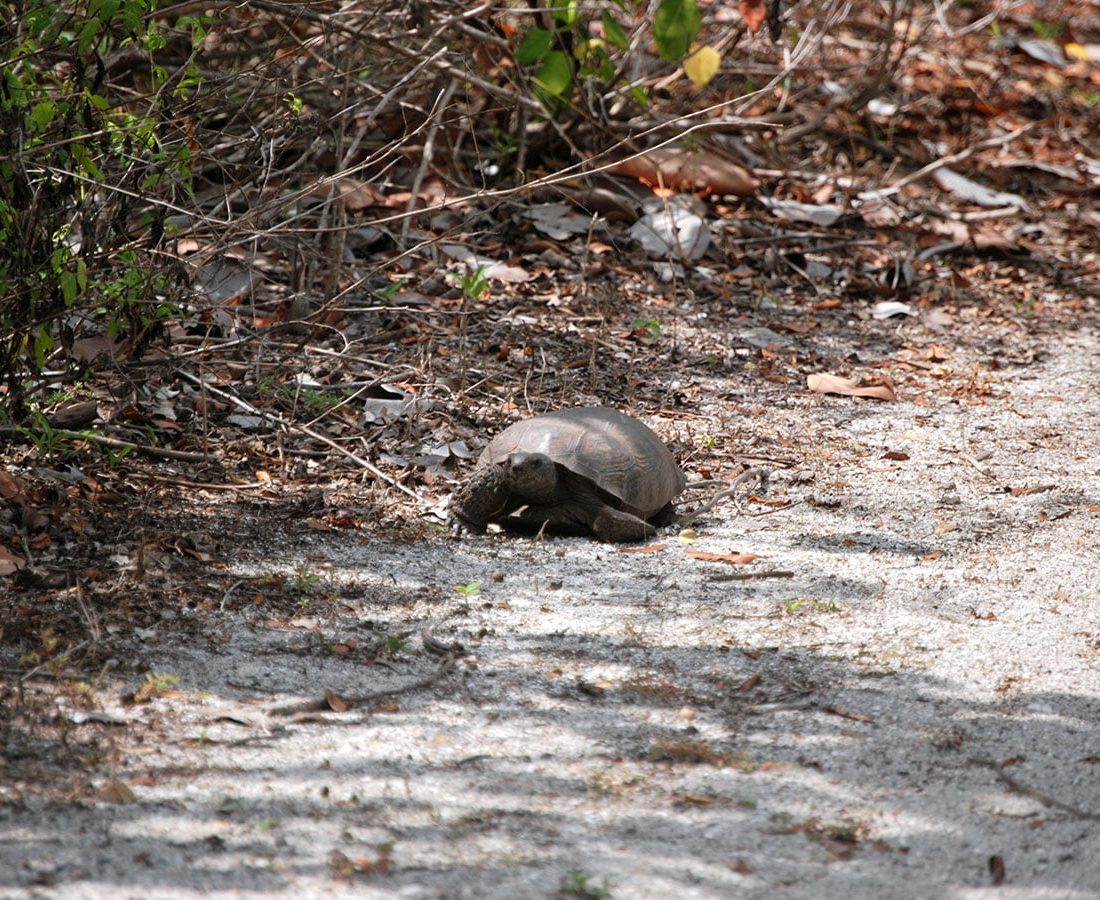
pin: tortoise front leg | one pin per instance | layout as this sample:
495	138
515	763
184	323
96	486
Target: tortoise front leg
485	496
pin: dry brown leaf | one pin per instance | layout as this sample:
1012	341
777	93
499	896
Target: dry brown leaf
12	488
335	702
651	548
833	384
777	502
738	559
847	714
683	170
754	12
997	870
117	792
10	562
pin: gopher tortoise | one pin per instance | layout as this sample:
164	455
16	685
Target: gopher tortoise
586	470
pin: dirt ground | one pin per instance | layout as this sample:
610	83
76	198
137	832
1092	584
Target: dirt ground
898	698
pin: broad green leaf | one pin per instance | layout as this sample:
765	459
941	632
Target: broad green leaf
68	287
87	35
43	344
702	65
42	114
675	27
534	46
556	74
613	31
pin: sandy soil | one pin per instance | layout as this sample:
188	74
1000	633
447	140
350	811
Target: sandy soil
901	700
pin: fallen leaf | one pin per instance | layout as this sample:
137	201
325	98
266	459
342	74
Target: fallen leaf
825	383
675	228
738	559
116	792
335	702
558	220
997	870
749	683
811	213
847	714
10	562
11	488
684	170
965	189
697	799
1031	489
889	308
702	65
651	548
754	12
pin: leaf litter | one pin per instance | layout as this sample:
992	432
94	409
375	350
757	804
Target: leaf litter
832	732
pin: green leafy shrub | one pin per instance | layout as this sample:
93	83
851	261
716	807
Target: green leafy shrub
92	161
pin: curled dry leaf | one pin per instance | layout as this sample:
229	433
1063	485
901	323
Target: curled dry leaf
737	559
335	702
825	383
683	170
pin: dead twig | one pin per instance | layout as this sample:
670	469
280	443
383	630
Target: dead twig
318	704
949	160
328	442
757	473
749	576
118	444
1034	793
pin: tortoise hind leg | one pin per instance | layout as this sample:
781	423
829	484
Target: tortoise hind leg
607	523
557	519
614	525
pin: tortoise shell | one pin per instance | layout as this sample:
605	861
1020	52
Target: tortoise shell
617	453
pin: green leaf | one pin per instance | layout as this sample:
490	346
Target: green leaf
566	13
42	114
87	35
613	31
556	74
641	97
43	344
675	27
534	46
68	287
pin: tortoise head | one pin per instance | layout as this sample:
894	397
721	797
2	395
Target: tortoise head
532	475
